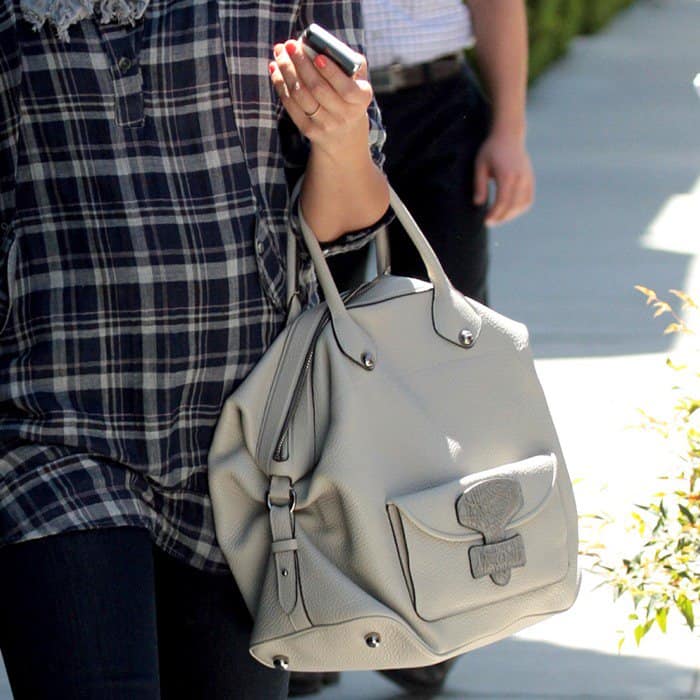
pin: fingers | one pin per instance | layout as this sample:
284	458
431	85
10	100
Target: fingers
481	182
505	190
287	82
504	159
320	82
353	90
302	118
525	195
514	194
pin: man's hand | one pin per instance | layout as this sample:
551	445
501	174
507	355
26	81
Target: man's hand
504	159
501	46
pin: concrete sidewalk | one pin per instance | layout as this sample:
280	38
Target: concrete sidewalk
615	139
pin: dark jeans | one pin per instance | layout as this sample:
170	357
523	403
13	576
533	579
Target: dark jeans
434	133
104	615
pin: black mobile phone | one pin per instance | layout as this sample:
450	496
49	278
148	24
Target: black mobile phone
316	40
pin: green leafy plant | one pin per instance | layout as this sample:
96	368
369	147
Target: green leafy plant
661	577
553	23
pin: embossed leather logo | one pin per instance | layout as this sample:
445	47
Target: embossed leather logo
488	507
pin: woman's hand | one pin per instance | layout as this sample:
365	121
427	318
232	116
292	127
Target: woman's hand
327	106
343	189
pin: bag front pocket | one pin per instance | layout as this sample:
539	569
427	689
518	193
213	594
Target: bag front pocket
483	538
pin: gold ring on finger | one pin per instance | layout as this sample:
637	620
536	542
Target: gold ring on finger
311	115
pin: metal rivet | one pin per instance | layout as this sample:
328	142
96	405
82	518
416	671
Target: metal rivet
125	64
368	360
260	247
281	662
284	572
466	337
373	640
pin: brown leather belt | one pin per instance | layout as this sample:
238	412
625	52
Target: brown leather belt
397	77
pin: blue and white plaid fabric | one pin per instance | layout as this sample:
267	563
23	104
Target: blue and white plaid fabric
144	179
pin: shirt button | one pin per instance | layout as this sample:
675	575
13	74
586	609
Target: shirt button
125	64
260	247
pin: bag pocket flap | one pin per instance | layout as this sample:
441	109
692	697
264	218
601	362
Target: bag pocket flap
481	539
434	510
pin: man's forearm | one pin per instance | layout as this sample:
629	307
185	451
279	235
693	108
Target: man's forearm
500	27
344	190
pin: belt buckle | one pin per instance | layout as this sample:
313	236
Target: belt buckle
389	78
395	72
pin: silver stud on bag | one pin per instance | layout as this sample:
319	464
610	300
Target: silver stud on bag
284	572
466	337
373	640
368	360
281	662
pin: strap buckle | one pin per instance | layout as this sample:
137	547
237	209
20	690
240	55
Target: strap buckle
291	502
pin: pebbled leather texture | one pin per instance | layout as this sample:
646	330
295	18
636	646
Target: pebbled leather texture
373	540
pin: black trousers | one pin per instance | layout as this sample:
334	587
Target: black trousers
434	133
103	615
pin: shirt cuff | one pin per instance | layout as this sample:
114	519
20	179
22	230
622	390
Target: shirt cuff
352	240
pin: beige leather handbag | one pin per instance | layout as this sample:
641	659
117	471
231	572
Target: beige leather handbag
387	484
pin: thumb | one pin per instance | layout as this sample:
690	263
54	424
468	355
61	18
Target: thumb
481	182
362	72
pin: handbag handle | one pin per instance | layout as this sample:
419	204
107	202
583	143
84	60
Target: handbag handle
454	317
382	252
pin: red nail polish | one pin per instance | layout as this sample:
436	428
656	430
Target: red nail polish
271	68
291	48
320	61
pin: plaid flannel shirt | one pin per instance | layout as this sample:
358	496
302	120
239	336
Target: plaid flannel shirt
145	171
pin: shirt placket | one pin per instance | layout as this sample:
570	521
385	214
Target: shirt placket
121	45
259	140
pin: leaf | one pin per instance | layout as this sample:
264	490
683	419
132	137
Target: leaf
688	301
661	308
686	609
687	513
670	363
661	618
650	294
641	630
641	525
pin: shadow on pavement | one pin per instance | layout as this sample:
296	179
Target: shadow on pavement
521	668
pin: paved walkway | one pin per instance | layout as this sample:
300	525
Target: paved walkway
615	138
616	144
